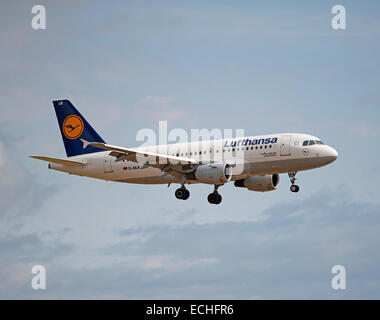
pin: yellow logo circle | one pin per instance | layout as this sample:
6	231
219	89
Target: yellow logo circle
72	127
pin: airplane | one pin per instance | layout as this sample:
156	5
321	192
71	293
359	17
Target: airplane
253	162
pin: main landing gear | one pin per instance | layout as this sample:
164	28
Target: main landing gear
215	197
182	193
293	187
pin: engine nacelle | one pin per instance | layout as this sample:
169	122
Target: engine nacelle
214	173
259	183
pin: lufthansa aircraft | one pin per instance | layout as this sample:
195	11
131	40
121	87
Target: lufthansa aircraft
251	162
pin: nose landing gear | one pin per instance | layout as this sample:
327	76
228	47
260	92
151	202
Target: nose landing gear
293	187
215	197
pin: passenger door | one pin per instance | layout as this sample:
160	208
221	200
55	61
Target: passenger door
108	163
285	146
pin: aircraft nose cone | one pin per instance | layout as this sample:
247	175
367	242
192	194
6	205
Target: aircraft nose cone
334	153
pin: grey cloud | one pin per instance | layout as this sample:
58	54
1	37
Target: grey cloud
20	191
206	64
287	255
30	248
18	254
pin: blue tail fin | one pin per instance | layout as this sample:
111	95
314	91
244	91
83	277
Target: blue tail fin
74	127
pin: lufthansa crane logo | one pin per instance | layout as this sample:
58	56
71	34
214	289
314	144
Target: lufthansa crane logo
72	127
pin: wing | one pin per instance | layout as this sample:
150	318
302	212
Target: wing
135	155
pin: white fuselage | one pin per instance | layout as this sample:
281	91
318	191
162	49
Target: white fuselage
255	155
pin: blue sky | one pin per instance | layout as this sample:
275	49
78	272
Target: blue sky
266	67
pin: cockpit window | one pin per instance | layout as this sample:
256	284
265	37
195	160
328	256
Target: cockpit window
311	142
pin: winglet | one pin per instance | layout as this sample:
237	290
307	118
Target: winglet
85	143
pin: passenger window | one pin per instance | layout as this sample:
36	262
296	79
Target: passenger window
305	143
311	142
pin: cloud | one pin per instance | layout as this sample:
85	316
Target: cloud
18	254
171	263
289	254
223	67
20	192
30	248
22	104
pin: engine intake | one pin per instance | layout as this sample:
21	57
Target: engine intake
259	183
214	173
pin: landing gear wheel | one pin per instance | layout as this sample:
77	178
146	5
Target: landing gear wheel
294	188
186	195
214	198
179	193
182	194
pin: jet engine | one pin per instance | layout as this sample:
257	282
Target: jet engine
259	183
213	173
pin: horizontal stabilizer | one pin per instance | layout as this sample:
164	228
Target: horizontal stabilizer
59	161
